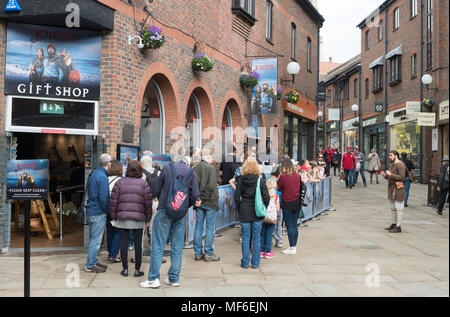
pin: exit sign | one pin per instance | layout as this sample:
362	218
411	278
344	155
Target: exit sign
52	107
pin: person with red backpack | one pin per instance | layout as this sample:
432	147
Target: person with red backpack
177	190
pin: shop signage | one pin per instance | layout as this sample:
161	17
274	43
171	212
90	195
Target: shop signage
434	139
373	121
400	116
333	114
348	125
379	107
426	119
264	95
443	110
44	61
412	107
27	179
13	6
332	126
52	107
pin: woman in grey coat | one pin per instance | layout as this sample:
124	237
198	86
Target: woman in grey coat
374	164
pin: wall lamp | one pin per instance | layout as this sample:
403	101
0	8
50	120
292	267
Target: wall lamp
293	68
132	37
355	108
427	80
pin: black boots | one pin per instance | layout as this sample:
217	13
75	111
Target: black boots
124	273
395	230
390	227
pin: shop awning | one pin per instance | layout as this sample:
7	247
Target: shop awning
396	51
378	62
93	15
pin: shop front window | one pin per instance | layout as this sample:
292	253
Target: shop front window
350	138
152	120
405	137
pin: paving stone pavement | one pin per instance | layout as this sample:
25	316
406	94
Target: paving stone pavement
336	256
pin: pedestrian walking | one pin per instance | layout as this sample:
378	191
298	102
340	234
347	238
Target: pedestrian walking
374	165
97	211
409	177
348	165
207	209
336	160
396	190
113	233
442	187
251	224
289	185
270	221
177	191
278	231
360	160
131	210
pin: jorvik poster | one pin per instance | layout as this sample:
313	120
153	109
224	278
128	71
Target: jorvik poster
264	95
27	179
43	61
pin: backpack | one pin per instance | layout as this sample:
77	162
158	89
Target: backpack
177	202
271	212
152	180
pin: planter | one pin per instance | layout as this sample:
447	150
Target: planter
292	97
249	80
202	63
152	37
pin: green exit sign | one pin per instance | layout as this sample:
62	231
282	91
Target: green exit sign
52	107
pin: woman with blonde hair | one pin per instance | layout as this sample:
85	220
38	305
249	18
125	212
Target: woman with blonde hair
289	185
251	224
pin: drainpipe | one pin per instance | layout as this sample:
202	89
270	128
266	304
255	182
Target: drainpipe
317	91
421	91
386	108
359	103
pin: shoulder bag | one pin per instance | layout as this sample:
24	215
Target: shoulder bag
260	208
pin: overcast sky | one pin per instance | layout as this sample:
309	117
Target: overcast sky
341	38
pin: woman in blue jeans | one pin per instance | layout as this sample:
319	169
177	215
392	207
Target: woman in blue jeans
289	185
407	181
245	203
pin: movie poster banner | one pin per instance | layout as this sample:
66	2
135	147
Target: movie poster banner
44	61
27	179
264	95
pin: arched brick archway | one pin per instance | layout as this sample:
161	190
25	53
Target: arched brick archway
204	96
237	110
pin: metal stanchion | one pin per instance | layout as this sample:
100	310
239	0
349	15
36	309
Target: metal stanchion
314	203
324	212
27	207
331	195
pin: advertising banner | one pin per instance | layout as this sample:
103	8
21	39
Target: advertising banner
44	61
308	210
264	95
27	179
161	160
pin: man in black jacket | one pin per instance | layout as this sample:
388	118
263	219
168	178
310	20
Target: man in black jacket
443	185
206	209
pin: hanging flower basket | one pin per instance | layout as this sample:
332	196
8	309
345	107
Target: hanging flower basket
202	63
152	37
292	96
279	93
429	103
249	80
355	123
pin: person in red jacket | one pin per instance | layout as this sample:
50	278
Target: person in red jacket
348	165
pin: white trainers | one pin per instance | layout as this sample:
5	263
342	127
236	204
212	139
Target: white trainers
170	283
151	284
290	251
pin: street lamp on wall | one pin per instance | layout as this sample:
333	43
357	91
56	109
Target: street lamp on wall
427	80
355	108
293	68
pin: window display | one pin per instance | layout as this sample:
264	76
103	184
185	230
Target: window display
405	137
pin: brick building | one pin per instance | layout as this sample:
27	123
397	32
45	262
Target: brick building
150	98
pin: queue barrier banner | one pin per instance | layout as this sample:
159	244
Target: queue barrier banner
226	214
308	210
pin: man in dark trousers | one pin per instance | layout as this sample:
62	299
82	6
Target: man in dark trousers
163	224
207	211
443	185
348	165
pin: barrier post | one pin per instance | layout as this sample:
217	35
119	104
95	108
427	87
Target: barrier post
324	212
315	205
331	195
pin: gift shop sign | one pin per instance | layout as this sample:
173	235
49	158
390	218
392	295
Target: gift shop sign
43	61
443	110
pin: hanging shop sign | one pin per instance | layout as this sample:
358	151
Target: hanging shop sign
373	121
44	61
412	107
434	139
264	95
426	119
333	114
443	110
332	126
379	107
400	116
27	179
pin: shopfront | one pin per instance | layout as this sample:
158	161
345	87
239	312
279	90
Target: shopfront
333	134
350	133
442	124
52	83
374	132
405	135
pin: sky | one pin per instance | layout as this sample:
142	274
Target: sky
341	38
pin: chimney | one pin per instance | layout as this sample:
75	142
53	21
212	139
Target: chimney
331	59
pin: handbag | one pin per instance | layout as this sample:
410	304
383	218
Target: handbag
399	185
260	208
411	176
